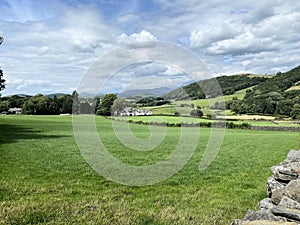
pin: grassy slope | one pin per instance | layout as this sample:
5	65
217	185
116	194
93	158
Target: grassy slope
176	105
44	179
229	84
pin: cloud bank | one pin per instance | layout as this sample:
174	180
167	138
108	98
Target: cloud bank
49	45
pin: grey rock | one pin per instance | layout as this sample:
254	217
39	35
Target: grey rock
266	204
263	214
291	214
293	156
273	185
287	202
277	196
293	190
286	172
236	222
265	222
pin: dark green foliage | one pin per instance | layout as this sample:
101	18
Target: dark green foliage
206	88
3	106
36	105
75	106
177	113
295	113
50	105
212	123
280	82
271	97
106	104
152	101
65	104
14	101
196	113
2	80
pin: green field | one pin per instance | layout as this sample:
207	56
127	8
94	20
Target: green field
45	180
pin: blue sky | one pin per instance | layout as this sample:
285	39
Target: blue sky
49	45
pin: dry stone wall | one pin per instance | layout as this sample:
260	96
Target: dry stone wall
282	206
273	128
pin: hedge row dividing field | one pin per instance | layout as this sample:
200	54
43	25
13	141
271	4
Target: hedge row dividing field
203	121
45	180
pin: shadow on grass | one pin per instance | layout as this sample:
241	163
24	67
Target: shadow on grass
13	133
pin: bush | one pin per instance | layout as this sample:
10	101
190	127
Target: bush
196	113
177	114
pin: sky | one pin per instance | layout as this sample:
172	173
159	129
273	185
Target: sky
49	46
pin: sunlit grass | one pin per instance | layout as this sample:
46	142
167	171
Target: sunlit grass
45	180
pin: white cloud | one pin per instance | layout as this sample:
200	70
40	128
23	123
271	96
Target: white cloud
59	50
58	40
136	37
242	44
203	38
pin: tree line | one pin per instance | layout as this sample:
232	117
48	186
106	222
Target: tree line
65	104
46	105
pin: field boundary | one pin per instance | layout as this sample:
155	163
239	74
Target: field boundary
216	124
273	128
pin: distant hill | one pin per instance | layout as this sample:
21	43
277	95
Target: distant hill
18	95
55	94
155	92
228	84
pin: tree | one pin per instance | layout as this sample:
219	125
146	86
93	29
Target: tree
37	105
106	104
119	104
3	106
95	104
296	111
65	104
54	106
75	103
196	113
2	80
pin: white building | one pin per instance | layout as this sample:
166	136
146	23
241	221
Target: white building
15	110
128	111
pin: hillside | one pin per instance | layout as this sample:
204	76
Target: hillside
276	96
280	82
229	85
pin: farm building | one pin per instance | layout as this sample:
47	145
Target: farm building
128	111
15	111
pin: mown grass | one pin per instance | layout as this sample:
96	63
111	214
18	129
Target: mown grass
45	180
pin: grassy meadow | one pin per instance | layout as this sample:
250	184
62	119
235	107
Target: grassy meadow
45	180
